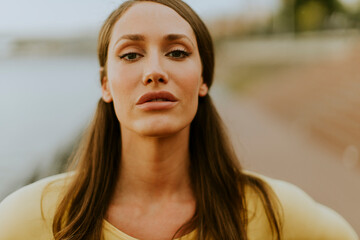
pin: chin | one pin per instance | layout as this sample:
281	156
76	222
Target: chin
162	129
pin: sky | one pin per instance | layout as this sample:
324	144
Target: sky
24	17
62	17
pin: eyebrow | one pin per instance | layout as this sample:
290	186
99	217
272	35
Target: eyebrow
174	37
132	37
141	38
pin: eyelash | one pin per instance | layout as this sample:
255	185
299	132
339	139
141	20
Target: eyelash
128	54
184	54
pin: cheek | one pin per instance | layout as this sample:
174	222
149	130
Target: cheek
123	81
190	81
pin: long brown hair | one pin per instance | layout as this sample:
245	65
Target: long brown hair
217	178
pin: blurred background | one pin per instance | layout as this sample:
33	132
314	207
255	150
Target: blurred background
287	85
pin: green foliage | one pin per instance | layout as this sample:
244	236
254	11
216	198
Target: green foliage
310	16
313	15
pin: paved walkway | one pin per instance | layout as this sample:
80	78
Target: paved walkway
271	146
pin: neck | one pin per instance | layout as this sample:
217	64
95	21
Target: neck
154	168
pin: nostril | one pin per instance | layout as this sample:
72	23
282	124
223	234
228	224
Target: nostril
149	80
161	80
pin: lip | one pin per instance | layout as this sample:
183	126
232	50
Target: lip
145	101
147	97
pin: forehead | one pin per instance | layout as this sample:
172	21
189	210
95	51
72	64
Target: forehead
152	19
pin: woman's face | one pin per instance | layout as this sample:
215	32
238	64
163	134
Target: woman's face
154	71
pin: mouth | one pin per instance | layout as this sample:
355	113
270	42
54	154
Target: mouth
159	100
161	96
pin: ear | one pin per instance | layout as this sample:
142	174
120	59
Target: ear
106	94
203	90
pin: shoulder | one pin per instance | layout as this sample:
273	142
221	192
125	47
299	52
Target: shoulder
27	213
304	218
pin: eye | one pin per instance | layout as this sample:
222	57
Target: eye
178	54
130	56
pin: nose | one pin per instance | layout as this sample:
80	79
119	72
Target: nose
154	72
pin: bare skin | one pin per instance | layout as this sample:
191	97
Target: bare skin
153	196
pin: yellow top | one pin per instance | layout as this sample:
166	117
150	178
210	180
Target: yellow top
21	215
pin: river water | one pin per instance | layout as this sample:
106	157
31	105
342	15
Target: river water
44	103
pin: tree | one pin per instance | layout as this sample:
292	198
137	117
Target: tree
309	15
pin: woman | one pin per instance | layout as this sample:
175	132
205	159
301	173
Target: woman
156	162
